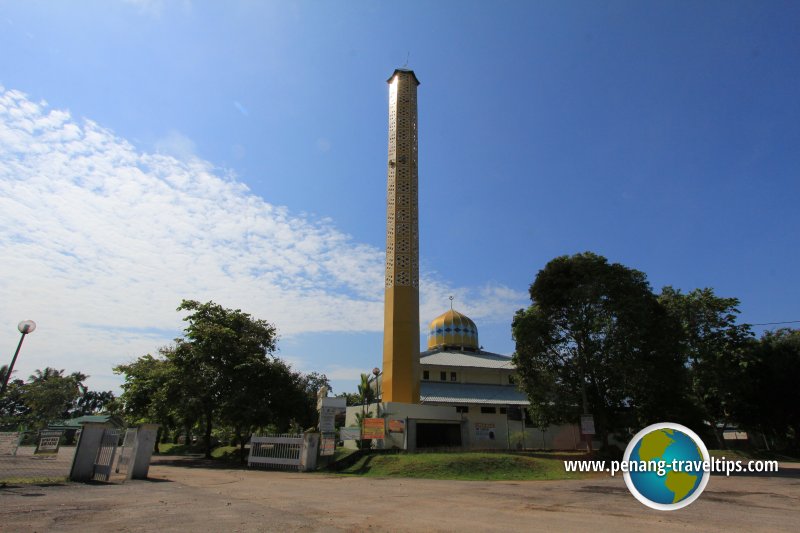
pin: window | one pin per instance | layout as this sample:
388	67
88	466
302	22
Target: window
443	376
462	409
511	379
426	374
488	410
452	376
502	410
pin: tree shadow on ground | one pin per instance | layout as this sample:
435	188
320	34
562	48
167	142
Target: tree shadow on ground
196	461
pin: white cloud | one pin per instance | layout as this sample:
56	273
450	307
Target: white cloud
100	242
343	373
177	145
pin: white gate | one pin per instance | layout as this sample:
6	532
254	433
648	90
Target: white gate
105	455
127	451
276	451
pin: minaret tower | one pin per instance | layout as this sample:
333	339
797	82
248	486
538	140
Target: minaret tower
401	373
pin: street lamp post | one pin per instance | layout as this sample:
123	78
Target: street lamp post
24	327
377	372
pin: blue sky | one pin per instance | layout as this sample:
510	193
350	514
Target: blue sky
152	151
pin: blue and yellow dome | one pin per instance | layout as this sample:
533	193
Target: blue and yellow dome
453	329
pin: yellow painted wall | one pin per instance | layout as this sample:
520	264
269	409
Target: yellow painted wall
401	345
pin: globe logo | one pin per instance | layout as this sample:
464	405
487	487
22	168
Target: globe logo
667	466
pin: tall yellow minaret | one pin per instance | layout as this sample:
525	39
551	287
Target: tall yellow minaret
401	308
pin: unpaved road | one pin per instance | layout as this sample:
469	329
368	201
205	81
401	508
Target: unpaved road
194	498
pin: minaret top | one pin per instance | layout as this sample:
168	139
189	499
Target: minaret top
402	70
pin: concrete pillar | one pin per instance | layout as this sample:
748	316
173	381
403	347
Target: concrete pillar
411	436
309	452
139	464
86	451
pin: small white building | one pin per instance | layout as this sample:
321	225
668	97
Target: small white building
468	399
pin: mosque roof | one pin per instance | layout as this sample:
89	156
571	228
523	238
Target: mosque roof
471	393
479	359
453	329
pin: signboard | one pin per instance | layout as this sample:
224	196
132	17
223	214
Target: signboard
340	402
327	444
587	424
329	410
373	428
327	419
397	426
484	431
48	441
353	433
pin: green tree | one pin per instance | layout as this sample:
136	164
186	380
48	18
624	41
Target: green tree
154	392
351	398
595	340
365	396
13	410
220	349
266	392
715	349
50	395
93	402
294	397
223	373
770	395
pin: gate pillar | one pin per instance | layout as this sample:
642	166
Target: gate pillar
86	451
139	464
309	452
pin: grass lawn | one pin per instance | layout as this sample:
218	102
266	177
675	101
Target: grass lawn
57	480
478	466
226	453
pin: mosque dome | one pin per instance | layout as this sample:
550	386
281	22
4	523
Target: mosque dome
453	329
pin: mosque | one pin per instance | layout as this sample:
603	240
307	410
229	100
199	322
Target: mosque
454	394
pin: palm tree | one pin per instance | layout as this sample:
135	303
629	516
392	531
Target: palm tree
365	396
51	395
43	375
365	393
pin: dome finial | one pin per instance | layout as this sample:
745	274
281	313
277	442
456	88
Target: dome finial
451	302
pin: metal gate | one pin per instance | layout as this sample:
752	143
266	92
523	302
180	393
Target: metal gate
276	451
104	462
126	452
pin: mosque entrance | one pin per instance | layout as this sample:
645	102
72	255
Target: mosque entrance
438	435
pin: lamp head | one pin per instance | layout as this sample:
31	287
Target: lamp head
26	326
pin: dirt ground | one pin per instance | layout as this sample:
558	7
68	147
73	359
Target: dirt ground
193	496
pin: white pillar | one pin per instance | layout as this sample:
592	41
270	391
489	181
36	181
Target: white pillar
309	452
139	464
86	451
